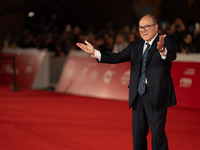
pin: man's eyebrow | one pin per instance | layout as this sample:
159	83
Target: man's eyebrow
144	26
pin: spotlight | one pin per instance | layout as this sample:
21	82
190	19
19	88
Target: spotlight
31	14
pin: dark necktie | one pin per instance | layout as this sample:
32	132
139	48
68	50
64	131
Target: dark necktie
141	86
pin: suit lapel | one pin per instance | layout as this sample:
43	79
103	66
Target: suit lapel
140	50
152	49
140	53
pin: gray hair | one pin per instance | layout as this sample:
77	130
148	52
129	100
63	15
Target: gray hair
152	17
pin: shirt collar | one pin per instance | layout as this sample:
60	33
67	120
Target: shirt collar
151	40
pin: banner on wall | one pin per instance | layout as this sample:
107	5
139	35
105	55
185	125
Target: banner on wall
185	76
28	65
84	76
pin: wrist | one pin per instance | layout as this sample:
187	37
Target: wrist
162	50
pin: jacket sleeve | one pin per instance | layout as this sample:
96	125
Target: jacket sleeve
114	58
171	52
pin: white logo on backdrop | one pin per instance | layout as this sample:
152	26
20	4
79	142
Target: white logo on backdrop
108	76
94	75
84	71
8	69
29	69
185	82
189	71
70	73
125	78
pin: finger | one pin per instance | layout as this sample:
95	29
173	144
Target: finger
164	36
82	46
160	42
88	43
161	37
159	45
79	45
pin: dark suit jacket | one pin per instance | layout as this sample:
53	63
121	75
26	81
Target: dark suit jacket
157	71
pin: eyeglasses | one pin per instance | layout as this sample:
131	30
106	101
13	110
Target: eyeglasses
146	28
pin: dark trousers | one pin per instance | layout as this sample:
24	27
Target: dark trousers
145	116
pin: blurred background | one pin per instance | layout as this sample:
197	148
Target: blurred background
34	27
70	21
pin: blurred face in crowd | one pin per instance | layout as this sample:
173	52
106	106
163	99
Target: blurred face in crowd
188	39
147	28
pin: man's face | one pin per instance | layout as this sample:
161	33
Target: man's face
147	28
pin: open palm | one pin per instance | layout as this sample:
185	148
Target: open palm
87	47
160	43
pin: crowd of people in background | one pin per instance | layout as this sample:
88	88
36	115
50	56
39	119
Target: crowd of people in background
107	38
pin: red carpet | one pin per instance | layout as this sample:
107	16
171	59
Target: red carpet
44	120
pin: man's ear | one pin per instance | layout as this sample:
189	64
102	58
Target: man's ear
156	27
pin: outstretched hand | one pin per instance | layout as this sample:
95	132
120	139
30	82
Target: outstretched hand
87	47
160	43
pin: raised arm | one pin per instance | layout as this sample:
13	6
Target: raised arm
166	48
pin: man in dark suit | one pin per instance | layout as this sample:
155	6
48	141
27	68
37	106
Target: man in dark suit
151	89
